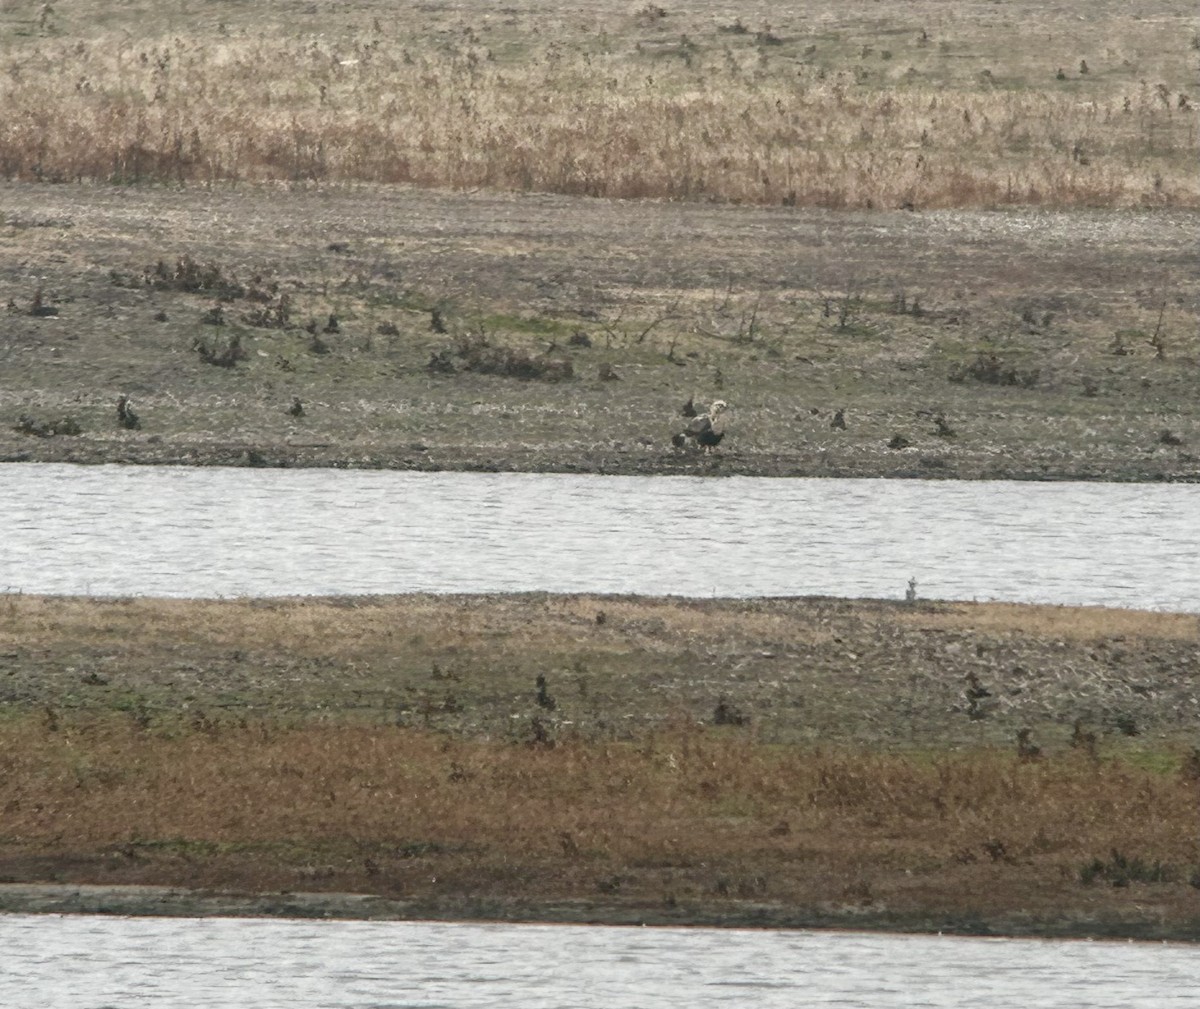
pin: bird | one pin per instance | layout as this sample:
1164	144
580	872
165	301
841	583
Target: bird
689	408
125	415
679	439
297	408
701	427
704	421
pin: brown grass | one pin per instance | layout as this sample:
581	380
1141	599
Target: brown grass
398	746
684	814
902	109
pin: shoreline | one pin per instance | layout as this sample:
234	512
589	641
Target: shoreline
658	464
170	902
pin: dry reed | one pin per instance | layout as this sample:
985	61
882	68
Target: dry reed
703	115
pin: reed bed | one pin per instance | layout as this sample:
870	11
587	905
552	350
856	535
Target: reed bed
639	107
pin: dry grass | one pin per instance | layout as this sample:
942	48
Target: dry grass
398	746
1079	623
901	106
682	815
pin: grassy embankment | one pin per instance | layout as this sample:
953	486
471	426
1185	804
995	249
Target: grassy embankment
800	761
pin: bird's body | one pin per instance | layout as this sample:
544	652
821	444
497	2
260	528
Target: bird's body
701	427
125	415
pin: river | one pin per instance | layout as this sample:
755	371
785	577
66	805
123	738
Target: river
137	963
220	532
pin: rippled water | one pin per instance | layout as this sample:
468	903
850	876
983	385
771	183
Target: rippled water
177	531
130	963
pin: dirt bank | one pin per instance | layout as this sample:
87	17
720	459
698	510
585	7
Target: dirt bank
167	902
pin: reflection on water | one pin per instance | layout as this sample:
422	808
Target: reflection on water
262	964
177	531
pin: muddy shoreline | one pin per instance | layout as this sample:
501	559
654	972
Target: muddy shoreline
154	901
906	466
419	331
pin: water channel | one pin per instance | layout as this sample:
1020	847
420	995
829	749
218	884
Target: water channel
220	532
131	963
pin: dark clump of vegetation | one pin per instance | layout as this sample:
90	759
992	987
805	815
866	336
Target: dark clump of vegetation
195	278
272	315
47	429
476	353
728	713
1121	870
441	363
1126	725
991	370
222	357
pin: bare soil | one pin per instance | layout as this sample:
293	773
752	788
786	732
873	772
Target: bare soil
531	332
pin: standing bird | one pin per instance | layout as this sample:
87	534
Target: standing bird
125	415
297	408
689	408
701	428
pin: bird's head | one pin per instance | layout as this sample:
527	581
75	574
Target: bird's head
717	407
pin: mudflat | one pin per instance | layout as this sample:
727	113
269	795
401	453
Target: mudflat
360	326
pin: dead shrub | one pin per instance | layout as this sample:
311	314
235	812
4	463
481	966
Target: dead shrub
192	277
68	426
478	354
218	356
989	369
